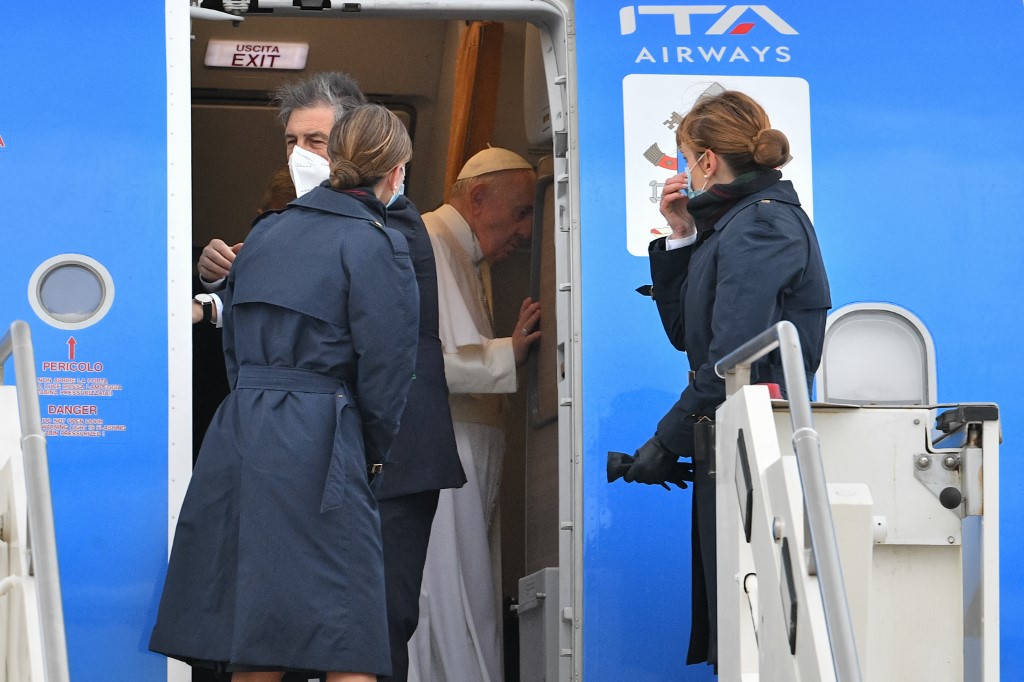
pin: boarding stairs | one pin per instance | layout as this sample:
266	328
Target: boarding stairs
858	537
31	616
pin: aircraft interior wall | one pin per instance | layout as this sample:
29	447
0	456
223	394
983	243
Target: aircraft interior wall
408	65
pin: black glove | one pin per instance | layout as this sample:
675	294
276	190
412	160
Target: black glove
652	464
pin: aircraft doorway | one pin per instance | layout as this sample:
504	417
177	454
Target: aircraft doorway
237	145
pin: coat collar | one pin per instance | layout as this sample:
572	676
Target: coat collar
328	200
781	191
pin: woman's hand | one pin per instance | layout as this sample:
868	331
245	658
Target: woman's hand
673	206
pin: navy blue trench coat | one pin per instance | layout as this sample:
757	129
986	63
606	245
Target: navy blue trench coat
276	562
759	265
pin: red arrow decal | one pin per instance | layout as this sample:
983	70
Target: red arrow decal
71	348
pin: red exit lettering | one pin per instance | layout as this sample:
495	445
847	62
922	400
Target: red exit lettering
254	61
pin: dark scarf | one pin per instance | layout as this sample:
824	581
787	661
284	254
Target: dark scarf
707	208
365	195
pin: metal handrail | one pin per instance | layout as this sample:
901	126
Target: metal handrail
42	539
735	369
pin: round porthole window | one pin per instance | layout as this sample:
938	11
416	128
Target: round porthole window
71	291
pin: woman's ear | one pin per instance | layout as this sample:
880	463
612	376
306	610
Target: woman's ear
712	160
395	178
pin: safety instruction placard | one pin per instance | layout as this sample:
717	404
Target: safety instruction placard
79	399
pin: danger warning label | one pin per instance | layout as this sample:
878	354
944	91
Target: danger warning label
82	403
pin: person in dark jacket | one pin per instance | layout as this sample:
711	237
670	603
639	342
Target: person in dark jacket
209	376
277	563
424	457
742	256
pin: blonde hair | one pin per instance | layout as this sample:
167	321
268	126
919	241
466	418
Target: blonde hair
365	144
735	127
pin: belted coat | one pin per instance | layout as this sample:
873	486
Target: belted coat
276	562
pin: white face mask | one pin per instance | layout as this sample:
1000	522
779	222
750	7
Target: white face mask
307	170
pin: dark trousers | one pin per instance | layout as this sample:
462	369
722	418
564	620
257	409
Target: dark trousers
704	567
405	528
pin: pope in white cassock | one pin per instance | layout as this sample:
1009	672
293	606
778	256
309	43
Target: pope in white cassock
490	209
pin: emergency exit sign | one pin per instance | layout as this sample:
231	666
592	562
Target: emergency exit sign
233	54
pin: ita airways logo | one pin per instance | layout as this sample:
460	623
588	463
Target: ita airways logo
720	19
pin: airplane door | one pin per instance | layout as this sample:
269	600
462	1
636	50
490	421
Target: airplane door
84	166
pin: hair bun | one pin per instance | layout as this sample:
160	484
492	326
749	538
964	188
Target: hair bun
770	148
365	145
344	174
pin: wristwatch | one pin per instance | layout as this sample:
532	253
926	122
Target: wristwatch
206	301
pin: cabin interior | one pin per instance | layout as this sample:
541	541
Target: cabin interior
458	85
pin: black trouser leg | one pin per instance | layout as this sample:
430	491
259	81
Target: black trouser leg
704	565
208	675
405	526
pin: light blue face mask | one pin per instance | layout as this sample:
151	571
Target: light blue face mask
398	192
690	191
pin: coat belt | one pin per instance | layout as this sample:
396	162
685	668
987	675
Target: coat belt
309	381
291	379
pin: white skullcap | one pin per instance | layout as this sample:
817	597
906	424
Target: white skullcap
490	160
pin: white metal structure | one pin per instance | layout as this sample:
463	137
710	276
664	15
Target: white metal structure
877	354
22	656
31	615
915	525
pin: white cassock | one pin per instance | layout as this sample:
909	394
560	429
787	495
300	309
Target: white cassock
458	637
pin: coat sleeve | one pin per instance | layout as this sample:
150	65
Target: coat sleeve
758	259
228	331
668	272
383	315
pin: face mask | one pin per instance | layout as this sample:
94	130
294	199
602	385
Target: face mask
307	169
690	191
398	192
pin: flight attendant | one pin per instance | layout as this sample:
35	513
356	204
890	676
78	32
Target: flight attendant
742	256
